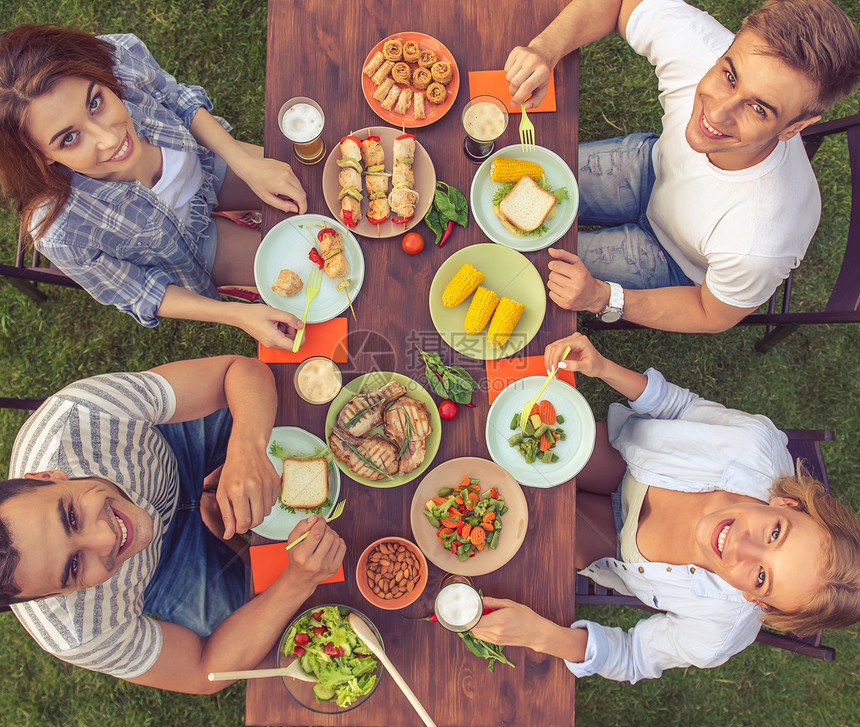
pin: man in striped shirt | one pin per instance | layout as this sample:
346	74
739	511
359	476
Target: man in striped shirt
103	530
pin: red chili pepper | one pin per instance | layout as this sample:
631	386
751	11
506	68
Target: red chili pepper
354	138
299	650
315	257
325	231
302	639
347	218
406	136
447	232
372	138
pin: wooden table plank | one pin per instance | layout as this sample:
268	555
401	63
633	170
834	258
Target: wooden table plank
317	49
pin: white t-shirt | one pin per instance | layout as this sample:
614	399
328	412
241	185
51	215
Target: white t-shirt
181	179
104	427
741	231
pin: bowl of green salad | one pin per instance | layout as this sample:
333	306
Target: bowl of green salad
345	672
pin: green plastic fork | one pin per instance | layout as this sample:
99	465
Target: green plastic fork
314	284
335	514
527	130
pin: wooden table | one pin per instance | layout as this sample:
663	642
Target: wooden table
316	48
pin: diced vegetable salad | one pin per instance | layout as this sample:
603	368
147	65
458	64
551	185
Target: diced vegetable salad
329	649
467	521
538	436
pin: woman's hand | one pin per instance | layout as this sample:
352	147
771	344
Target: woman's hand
248	486
527	73
319	555
271	327
274	182
583	356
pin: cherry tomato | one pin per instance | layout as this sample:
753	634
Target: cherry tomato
448	410
413	243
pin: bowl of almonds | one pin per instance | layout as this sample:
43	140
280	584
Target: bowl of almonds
391	573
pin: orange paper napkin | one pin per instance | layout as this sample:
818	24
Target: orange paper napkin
321	339
268	562
493	83
504	371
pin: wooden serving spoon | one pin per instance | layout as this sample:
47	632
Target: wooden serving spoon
363	632
294	670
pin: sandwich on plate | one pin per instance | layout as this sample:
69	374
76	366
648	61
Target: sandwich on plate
526	207
305	483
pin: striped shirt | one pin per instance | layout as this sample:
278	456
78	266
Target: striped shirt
120	241
104	427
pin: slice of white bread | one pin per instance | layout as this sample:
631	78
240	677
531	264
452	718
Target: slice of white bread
305	482
527	205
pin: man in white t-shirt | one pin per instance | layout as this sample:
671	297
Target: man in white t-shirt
102	531
702	223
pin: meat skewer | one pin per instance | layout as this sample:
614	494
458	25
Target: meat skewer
349	178
375	180
403	196
335	263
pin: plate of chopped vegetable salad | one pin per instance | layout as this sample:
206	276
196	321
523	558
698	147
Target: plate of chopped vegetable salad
554	446
557	178
469	516
323	641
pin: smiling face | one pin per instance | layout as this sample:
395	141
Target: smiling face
73	534
747	103
85	127
773	553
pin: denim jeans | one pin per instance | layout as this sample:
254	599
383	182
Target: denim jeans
616	177
199	581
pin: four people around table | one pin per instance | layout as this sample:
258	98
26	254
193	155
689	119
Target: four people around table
126	485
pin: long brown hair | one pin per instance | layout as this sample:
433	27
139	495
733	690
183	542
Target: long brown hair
837	604
33	59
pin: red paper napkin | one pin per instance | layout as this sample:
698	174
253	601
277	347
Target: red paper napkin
502	372
493	83
268	562
321	339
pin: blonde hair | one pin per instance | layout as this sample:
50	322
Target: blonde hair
815	38
837	604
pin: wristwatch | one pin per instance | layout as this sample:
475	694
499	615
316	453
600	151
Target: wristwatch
615	308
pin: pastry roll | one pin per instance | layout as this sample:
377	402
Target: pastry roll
374	63
380	93
381	72
404	101
427	58
436	93
393	50
442	72
418	105
421	78
393	95
411	51
401	73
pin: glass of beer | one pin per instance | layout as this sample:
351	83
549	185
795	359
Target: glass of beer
301	120
485	119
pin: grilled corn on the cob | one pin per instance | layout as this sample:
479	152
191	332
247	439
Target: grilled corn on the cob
480	310
462	285
504	321
512	170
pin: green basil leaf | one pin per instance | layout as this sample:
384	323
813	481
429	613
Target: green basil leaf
434	222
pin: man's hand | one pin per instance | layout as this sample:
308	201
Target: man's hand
319	555
527	73
248	486
572	287
274	182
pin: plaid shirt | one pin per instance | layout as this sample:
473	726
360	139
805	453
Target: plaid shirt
118	240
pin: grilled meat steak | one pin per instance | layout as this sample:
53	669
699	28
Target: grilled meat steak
407	418
364	411
375	449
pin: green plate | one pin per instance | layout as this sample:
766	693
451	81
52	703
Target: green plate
377	380
558	174
509	274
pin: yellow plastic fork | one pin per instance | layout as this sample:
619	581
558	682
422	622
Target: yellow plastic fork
313	287
336	513
527	130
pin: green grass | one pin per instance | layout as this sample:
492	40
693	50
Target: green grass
812	380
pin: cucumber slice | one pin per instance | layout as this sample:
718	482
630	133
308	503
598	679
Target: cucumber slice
324	694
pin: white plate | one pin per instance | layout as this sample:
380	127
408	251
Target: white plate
279	523
558	174
287	245
573	451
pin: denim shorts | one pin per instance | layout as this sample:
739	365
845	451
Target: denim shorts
210	238
199	580
616	177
